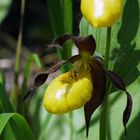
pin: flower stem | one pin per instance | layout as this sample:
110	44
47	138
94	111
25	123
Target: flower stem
67	51
108	42
104	107
71	125
64	13
14	95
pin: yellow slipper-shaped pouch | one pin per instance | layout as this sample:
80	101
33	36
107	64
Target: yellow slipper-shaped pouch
68	91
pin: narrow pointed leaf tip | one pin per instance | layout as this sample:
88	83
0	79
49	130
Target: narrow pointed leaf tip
99	86
119	83
83	43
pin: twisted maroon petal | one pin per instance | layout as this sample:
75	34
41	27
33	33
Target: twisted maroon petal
127	111
119	83
83	43
41	78
99	89
61	39
74	58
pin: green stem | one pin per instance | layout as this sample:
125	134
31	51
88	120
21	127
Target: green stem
71	125
14	96
68	24
62	23
104	107
108	42
68	27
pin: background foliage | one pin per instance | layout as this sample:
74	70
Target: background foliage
58	17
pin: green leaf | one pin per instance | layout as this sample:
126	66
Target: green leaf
4	118
117	105
4	8
18	124
44	127
7	133
32	58
68	15
84	25
36	111
60	12
2	78
68	25
126	57
6	105
55	13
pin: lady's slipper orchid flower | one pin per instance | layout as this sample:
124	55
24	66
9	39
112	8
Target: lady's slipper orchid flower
101	13
84	85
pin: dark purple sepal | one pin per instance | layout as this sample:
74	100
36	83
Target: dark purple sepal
57	66
99	89
127	111
62	39
74	58
41	78
116	80
86	44
119	83
38	81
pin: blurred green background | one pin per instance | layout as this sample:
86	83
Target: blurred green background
43	21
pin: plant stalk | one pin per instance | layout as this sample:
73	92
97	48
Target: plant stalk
68	26
104	107
108	43
71	125
14	96
62	23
